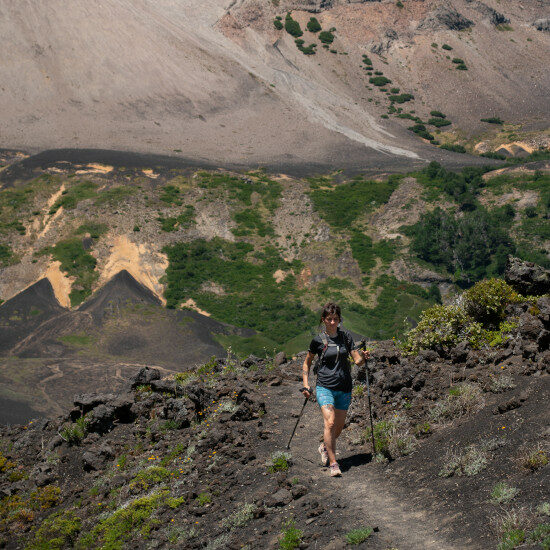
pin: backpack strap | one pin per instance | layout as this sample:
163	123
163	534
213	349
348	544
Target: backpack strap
322	356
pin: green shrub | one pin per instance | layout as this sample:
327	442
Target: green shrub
279	461
183	220
439	122
76	432
313	25
57	531
469	462
446	47
357	536
326	37
402	98
292	26
150	476
366	252
452	147
502	493
95	230
399	4
441	328
367	60
511	539
6	255
421	131
462	399
277	23
493	155
492	120
203	499
392	437
457	60
461	67
534	458
487	299
291	536
379	80
438	114
240	517
171	195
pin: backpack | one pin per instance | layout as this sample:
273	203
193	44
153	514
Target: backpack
325	347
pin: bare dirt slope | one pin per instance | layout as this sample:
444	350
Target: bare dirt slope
215	82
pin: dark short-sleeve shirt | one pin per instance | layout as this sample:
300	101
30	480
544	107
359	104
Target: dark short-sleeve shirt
334	371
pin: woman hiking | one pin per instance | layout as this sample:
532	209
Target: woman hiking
332	346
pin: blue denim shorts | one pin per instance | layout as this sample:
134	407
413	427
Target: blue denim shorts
338	399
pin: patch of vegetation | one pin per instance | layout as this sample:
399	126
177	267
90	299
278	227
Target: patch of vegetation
139	516
150	476
392	437
534	458
249	221
313	25
171	194
461	67
326	37
79	340
292	26
462	399
95	230
397	301
6	255
366	252
457	61
114	195
470	461
291	536
76	193
241	189
78	263
441	328
277	23
492	120
240	517
439	122
203	499
379	80
279	461
401	98
341	205
471	247
253	297
502	493
421	130
357	536
486	301
453	147
493	155
367	60
501	383
57	531
446	47
438	114
183	220
75	432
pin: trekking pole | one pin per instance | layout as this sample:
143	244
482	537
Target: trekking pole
298	420
363	346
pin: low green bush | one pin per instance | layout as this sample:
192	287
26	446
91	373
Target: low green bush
439	122
438	114
6	255
401	98
441	328
446	47
493	155
367	60
492	120
457	60
313	25
291	536
453	147
379	80
392	437
74	194
461	67
279	461
502	493
292	26
357	536
278	24
171	195
486	301
326	37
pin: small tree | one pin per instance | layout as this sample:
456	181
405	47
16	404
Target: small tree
292	27
313	25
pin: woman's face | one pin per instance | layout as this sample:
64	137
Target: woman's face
331	323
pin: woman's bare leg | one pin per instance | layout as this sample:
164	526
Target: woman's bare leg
329	437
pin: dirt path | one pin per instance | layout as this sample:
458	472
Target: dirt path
363	496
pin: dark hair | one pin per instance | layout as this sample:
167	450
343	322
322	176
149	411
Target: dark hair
331	308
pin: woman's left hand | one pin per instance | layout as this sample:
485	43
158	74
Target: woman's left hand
366	354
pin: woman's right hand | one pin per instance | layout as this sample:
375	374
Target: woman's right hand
306	392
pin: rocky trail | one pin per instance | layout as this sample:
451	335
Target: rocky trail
363	496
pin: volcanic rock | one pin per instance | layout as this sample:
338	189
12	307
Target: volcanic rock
527	277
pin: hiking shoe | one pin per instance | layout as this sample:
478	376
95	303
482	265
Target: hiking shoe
335	470
324	454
